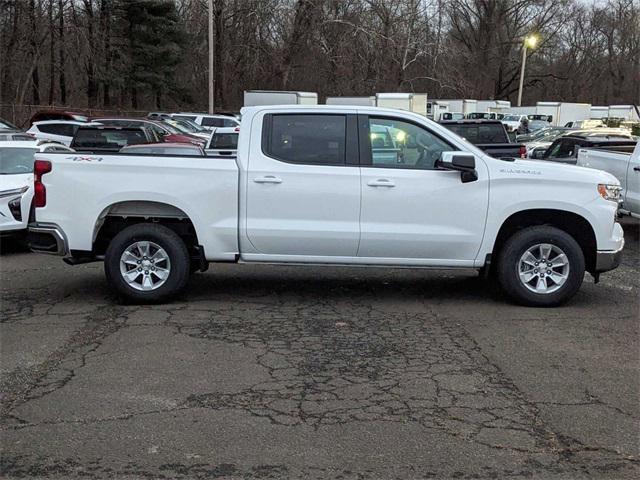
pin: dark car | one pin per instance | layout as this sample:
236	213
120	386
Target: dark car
488	135
110	138
43	115
164	131
565	149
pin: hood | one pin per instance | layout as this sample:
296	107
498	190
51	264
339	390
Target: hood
12	182
548	170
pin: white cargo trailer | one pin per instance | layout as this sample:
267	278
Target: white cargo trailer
564	112
435	109
419	103
599	112
464	106
528	110
254	98
401	101
628	112
363	101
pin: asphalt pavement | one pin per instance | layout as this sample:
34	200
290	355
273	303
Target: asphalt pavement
316	372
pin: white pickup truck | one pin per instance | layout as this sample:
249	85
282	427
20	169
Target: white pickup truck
313	185
625	166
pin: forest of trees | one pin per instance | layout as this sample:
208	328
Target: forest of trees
153	54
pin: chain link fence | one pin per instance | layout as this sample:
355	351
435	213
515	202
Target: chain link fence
20	114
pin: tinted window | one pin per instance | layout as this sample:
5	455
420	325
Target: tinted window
187	117
230	123
395	143
16	160
224	140
107	139
308	139
64	129
214	122
478	134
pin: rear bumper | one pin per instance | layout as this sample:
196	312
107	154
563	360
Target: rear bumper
609	260
47	238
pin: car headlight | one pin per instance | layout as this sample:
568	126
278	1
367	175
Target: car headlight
610	192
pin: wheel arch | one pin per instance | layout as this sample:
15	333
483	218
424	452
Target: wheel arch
570	222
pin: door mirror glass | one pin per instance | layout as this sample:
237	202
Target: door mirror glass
465	163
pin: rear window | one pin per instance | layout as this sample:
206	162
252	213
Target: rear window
479	134
16	160
64	129
308	139
213	122
224	141
107	139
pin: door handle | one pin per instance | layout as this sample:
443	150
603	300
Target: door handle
268	179
636	169
381	182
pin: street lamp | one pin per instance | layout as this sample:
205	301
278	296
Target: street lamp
530	41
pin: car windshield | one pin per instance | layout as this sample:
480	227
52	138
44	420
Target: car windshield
16	160
194	126
177	126
511	118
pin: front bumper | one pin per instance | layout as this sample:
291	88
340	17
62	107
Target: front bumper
47	238
609	260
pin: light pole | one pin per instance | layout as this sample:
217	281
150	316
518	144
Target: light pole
530	41
211	80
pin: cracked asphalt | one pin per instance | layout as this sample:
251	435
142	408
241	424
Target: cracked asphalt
300	372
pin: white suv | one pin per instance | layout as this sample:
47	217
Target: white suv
61	131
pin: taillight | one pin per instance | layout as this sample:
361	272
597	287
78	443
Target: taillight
523	151
40	167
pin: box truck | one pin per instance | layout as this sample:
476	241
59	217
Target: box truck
363	101
254	98
563	112
628	112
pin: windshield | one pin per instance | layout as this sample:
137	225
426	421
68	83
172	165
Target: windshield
177	126
15	160
194	126
511	118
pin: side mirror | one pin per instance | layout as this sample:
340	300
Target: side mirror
465	163
538	153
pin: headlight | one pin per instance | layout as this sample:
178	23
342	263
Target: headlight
610	192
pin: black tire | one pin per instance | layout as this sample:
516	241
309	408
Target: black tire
162	236
516	246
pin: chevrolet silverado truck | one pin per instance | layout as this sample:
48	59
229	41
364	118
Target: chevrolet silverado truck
308	187
625	166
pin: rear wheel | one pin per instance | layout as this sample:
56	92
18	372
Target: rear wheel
541	266
147	263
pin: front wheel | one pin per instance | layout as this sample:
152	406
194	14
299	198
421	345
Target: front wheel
541	266
147	263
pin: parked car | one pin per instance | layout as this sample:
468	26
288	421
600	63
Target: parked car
16	182
109	138
13	136
540	118
488	135
592	123
164	131
516	123
208	121
536	125
482	116
45	115
565	149
7	125
189	128
164	149
451	116
625	166
61	131
223	141
536	148
306	188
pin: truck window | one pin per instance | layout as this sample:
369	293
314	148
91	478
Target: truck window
64	129
399	144
224	141
480	134
307	138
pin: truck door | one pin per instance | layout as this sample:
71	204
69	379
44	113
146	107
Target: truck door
410	208
632	190
303	186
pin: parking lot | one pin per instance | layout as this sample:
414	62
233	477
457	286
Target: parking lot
270	372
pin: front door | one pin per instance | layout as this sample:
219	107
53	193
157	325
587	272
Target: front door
411	209
303	187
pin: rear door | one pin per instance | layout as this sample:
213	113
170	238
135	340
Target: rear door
303	187
412	211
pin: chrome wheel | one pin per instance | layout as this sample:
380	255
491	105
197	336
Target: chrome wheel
543	268
145	265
